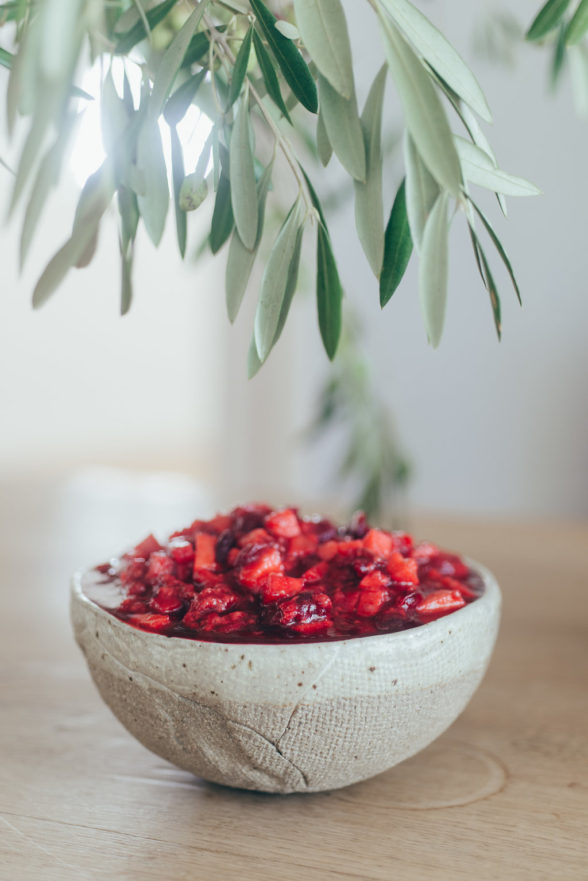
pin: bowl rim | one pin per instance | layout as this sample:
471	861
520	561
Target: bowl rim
491	598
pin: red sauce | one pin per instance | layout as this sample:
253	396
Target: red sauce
258	575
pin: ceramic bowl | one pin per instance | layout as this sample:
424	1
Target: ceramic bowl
289	718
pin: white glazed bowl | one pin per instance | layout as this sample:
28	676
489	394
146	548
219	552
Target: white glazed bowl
289	718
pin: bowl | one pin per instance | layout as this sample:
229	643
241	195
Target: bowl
283	718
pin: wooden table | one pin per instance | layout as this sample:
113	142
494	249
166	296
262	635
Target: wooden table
503	794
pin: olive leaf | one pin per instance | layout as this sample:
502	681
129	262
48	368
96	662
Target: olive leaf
488	280
424	113
254	362
422	191
178	173
172	58
126	282
138	32
154	201
397	247
93	202
290	60
323	145
369	207
243	190
240	68
578	25
177	104
499	247
287	29
439	54
578	58
547	19
241	259
479	168
269	75
433	269
47	177
329	293
222	223
343	129
323	29
274	283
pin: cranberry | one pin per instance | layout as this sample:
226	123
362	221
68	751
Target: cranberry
257	575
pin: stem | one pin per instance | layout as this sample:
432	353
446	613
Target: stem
281	140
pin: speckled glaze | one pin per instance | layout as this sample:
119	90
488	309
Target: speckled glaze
289	718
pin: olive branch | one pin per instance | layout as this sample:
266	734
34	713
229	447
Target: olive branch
262	81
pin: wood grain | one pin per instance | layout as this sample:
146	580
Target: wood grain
503	794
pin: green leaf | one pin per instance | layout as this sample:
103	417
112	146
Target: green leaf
578	58
323	145
287	29
128	209
171	60
547	19
178	173
291	282
578	25
422	191
240	68
424	113
126	282
93	202
222	217
6	59
269	75
488	280
314	198
499	247
474	130
154	202
275	282
397	247
329	293
369	207
439	54
114	116
479	168
292	64
433	269
177	104
253	362
46	178
243	189
558	57
343	129
323	29
240	260
134	35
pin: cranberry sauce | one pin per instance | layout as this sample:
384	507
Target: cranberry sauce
266	576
